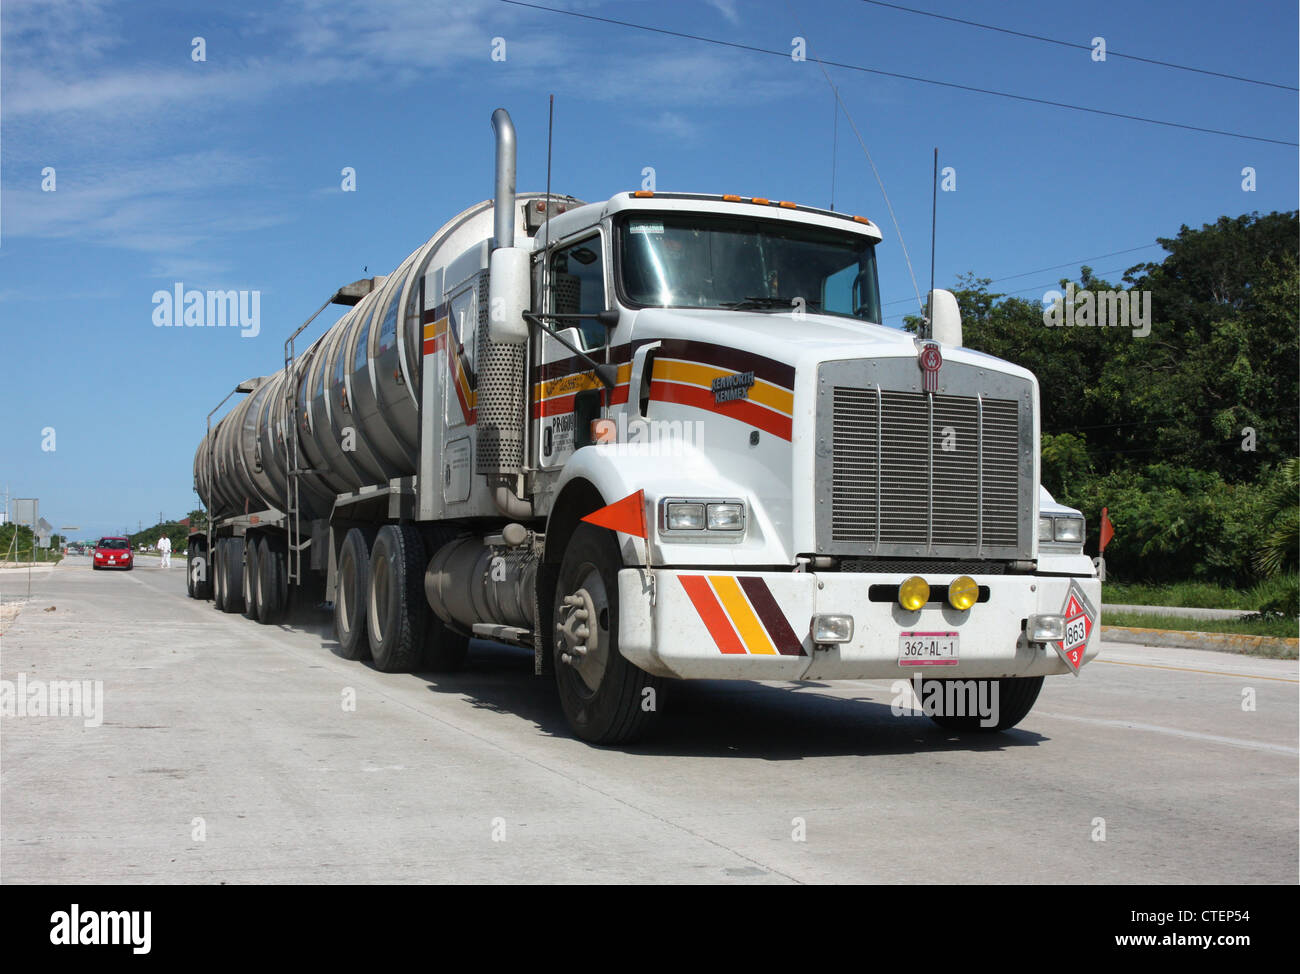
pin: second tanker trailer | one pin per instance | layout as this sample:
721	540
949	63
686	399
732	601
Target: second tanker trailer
659	437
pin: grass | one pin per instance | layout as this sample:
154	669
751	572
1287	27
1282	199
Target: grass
1249	627
1202	595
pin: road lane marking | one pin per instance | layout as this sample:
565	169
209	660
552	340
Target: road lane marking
1188	669
1175	732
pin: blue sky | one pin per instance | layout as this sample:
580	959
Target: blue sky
225	174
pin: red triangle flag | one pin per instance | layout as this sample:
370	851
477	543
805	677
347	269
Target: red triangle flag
1107	532
627	515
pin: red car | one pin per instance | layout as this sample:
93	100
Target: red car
113	553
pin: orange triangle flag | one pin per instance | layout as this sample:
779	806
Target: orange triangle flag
627	515
1107	532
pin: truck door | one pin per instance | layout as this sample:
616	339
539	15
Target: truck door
566	394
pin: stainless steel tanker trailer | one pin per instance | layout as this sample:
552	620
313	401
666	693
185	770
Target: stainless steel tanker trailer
655	438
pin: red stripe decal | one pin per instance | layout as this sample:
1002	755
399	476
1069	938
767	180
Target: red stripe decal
770	614
738	409
715	620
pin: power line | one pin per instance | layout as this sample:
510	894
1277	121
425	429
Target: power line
1080	47
904	77
1025	290
1043	270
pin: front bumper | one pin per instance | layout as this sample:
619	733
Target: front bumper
697	624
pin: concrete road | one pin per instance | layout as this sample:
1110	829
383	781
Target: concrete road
227	753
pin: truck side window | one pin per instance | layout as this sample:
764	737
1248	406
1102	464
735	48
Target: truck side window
578	287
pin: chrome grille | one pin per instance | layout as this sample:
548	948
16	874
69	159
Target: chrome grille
931	474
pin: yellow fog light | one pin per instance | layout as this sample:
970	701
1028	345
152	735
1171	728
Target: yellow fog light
963	593
913	593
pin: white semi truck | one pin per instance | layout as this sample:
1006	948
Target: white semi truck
655	438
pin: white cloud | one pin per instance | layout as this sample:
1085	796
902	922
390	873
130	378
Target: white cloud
727	8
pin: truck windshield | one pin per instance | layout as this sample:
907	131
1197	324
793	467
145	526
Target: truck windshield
679	260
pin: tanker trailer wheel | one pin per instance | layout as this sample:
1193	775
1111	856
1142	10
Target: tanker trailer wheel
218	578
603	695
1014	699
396	609
271	581
249	580
230	574
350	598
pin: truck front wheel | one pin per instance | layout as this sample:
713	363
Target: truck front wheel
606	699
1010	700
396	611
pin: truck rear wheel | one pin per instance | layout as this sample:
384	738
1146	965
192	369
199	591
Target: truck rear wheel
606	699
396	610
350	598
232	571
272	587
1014	699
218	577
249	580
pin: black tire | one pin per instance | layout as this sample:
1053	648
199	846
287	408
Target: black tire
218	576
272	582
603	695
396	610
232	573
351	593
249	578
1015	698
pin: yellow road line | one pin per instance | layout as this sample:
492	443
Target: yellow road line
1188	669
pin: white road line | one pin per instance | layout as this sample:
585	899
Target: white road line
1172	731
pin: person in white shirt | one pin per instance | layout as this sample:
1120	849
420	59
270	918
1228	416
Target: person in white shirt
165	550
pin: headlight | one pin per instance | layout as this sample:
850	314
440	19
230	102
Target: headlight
684	517
726	517
1045	530
706	515
1063	528
1069	529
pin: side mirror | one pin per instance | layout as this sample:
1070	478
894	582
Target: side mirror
508	294
945	318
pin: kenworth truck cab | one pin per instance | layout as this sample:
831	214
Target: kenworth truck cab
665	436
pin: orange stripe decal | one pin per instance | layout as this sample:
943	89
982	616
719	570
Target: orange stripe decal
714	619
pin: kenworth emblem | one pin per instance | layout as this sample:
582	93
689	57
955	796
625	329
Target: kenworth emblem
734	386
930	361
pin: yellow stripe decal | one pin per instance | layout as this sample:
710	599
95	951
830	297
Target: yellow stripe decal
693	373
567	385
751	630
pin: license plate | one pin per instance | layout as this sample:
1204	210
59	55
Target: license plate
111	560
927	648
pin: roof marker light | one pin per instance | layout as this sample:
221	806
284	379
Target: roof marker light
788	205
643	194
731	199
761	201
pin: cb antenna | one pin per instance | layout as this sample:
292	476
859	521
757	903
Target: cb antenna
934	212
546	237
